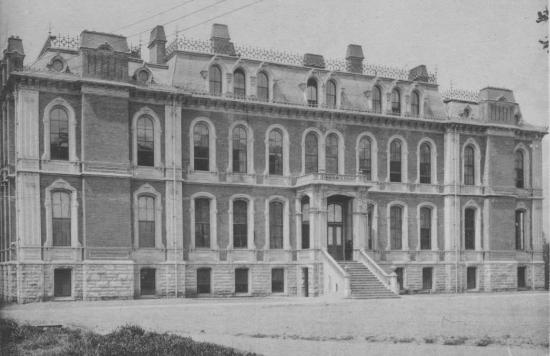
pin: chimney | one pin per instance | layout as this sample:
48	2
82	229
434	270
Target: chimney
313	60
419	74
14	54
354	59
220	40
157	45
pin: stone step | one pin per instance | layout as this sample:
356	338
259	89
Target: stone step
364	284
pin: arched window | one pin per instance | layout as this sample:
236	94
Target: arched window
305	222
239	84
331	155
331	94
425	163
275	152
240	223
396	227
377	99
239	149
201	147
311	92
61	218
59	134
365	160
425	228
415	104
215	80
276	225
470	228
146	221
145	142
395	102
263	86
519	169
311	153
395	161
469	165
202	222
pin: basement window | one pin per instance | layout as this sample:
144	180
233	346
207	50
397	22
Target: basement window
62	283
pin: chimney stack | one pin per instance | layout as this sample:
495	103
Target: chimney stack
354	59
220	40
14	54
157	45
419	74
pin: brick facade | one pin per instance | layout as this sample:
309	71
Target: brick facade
105	182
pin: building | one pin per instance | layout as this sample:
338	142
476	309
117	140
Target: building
219	169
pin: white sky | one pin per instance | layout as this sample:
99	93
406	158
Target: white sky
473	43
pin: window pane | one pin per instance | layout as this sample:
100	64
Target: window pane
395	102
395	161
396	226
519	170
331	94
311	92
305	223
520	228
240	224
59	134
311	153
61	231
425	228
215	78
425	163
202	222
377	100
469	229
276	225
201	147
146	221
469	166
276	152
239	149
263	87
415	104
365	157
239	82
331	155
145	142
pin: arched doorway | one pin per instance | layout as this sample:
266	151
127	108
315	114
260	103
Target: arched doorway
339	232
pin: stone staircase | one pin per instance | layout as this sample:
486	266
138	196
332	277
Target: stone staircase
364	284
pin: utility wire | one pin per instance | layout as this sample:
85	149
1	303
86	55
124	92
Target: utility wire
215	17
157	14
182	17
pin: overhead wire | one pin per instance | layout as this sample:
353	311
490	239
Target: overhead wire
157	14
181	17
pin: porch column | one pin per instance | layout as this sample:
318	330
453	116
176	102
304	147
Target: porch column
318	220
298	219
359	221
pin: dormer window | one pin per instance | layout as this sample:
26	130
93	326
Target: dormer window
143	76
395	102
312	92
415	104
263	87
331	94
215	80
239	86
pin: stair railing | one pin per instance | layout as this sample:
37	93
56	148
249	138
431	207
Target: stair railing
335	275
388	279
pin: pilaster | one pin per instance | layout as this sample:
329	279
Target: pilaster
28	215
27	119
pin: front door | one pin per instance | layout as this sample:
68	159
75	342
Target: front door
335	231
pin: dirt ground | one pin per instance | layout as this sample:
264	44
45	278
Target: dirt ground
514	323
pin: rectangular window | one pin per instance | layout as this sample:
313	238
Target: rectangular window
276	225
520	230
61	230
521	277
396	227
427	275
277	280
62	283
240	224
425	229
146	234
241	280
471	278
203	281
202	222
469	229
